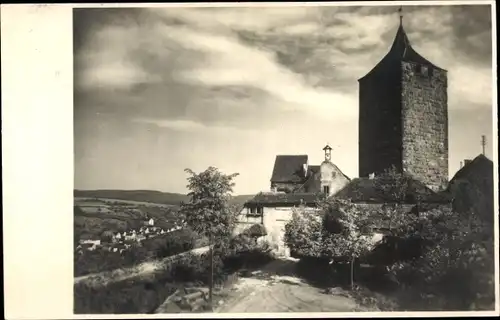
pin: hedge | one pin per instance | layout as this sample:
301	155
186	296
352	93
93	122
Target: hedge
144	296
154	248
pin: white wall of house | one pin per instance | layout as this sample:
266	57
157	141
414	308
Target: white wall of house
274	220
331	177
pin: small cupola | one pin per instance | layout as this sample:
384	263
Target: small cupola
328	152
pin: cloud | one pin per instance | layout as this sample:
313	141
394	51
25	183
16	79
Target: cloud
272	79
251	18
190	126
228	62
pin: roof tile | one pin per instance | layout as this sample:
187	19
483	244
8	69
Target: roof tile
289	168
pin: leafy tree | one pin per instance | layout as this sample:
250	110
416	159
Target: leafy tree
304	233
470	198
353	241
208	211
457	267
309	234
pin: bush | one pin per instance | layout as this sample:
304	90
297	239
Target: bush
247	260
144	296
170	244
122	297
456	272
304	234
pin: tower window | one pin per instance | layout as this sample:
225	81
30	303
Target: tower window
422	70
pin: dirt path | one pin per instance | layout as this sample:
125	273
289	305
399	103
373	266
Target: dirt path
143	269
276	289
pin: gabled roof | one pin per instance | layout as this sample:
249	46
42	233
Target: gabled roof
314	168
365	190
472	188
401	50
289	168
479	168
285	199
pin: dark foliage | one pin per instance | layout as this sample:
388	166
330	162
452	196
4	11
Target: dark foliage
144	296
124	297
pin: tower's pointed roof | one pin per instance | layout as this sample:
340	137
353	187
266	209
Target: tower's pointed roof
401	50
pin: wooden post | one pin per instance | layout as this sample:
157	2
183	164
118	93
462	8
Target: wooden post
483	142
352	273
211	280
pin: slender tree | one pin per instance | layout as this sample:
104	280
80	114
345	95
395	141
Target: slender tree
336	231
351	239
208	211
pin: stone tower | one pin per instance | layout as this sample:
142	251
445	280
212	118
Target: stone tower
403	116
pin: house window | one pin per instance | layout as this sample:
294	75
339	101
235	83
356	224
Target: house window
256	211
326	189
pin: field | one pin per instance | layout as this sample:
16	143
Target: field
101	214
144	197
97	211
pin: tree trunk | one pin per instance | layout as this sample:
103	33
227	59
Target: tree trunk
352	273
211	280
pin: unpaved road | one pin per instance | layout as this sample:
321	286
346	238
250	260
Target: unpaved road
273	291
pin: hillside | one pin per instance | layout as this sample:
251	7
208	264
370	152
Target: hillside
146	196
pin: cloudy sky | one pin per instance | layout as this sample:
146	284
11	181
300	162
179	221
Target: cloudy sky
162	89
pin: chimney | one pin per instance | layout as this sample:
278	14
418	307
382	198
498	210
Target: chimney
461	164
467	161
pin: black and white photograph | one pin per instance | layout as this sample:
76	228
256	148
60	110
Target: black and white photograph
284	158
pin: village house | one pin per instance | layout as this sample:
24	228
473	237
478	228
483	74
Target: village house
292	173
149	221
90	242
273	210
294	183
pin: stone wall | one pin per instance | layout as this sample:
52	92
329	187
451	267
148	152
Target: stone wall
425	125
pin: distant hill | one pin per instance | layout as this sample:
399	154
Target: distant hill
150	196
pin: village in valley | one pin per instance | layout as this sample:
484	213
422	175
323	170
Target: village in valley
119	242
286	248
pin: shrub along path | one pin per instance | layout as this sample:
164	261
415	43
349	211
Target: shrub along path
141	270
